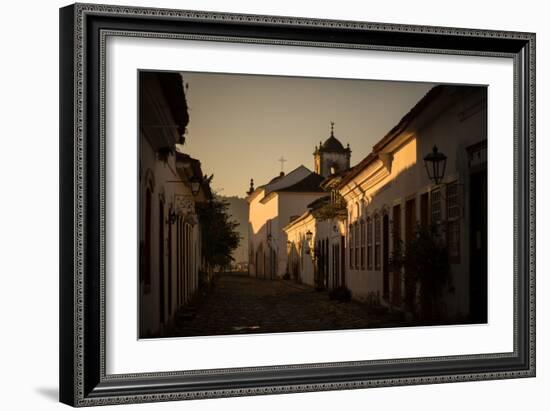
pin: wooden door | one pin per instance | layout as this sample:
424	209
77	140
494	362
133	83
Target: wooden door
424	210
385	256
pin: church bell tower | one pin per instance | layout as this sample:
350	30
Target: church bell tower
331	157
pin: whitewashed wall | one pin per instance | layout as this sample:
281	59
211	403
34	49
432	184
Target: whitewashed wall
277	208
164	174
406	178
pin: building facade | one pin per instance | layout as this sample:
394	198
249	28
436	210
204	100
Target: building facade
169	237
389	195
283	200
377	207
316	246
331	157
271	206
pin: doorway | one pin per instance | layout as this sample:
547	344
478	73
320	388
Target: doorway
385	257
396	279
410	221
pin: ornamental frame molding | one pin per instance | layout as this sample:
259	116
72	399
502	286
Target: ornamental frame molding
81	11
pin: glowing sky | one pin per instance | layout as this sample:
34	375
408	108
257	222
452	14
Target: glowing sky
240	125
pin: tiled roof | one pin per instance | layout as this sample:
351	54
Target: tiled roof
310	184
356	169
319	202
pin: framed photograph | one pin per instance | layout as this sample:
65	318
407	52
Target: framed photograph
262	204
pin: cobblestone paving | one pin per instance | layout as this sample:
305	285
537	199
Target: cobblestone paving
239	304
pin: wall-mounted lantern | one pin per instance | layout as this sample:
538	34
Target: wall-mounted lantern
435	163
309	238
195	186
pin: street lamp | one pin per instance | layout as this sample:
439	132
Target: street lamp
309	237
435	163
195	186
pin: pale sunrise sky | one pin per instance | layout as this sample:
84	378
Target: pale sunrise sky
240	125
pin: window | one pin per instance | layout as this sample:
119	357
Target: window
350	245
369	244
396	226
362	234
436	205
377	237
453	221
356	245
453	201
453	240
335	265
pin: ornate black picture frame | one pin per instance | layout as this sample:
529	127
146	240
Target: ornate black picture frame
83	30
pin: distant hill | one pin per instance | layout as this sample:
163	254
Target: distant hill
238	208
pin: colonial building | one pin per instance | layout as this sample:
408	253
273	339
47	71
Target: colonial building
347	239
331	157
390	193
171	183
316	246
273	205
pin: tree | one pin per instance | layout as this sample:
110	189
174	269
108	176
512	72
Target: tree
426	264
219	236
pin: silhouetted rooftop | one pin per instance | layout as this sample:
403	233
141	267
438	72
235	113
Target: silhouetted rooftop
319	202
281	175
310	184
332	144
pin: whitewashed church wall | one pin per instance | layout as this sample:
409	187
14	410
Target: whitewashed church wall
339	160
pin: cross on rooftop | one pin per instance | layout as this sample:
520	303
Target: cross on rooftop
282	160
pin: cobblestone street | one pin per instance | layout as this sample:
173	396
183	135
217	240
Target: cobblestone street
239	304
